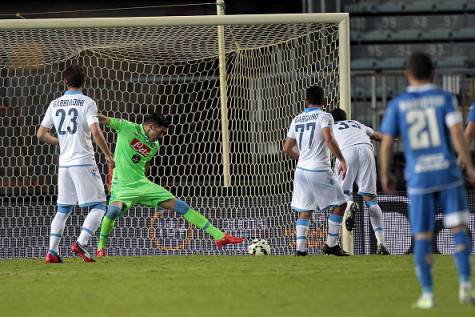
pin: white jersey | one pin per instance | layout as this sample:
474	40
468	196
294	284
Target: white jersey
350	132
306	128
71	115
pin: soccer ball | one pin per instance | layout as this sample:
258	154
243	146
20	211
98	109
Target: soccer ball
259	247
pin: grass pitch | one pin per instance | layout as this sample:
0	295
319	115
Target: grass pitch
224	286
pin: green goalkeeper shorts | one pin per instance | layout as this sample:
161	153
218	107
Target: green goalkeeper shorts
143	192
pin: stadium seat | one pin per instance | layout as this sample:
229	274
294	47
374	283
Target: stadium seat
360	7
363	64
392	63
376	36
452	62
391	6
453	5
437	34
406	35
465	34
422	6
355	36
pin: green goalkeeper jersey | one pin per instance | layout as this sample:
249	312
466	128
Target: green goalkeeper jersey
133	151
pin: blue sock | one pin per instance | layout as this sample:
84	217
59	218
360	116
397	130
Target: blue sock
302	231
463	248
422	252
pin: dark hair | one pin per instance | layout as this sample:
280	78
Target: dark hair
338	114
157	118
314	95
420	66
74	75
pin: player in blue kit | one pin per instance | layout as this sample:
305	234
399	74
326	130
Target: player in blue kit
429	125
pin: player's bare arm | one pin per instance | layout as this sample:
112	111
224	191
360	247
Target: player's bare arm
334	149
103	119
469	132
385	158
102	143
44	135
377	136
460	144
290	147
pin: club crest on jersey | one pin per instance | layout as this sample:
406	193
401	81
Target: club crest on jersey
136	158
140	147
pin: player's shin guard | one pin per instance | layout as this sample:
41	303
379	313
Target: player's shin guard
376	218
334	224
57	228
301	232
113	212
463	248
91	223
194	217
423	259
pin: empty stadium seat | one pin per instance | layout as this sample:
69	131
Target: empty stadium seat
437	34
451	62
375	36
406	35
363	63
465	34
422	6
392	63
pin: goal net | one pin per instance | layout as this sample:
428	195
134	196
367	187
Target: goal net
171	65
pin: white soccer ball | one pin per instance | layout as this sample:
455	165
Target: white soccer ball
259	247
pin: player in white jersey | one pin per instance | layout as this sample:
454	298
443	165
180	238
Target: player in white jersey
74	117
309	141
354	139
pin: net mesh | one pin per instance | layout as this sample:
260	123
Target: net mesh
132	71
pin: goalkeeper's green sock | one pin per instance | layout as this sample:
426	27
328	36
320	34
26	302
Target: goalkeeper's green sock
106	228
194	217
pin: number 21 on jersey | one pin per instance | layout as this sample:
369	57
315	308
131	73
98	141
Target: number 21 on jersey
423	129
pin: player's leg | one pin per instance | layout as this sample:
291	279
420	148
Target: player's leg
303	202
346	183
114	210
454	206
328	195
422	219
66	199
196	218
376	219
90	192
366	181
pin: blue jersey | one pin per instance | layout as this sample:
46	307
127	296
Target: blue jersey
421	117
471	114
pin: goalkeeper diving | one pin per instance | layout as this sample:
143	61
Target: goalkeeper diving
136	145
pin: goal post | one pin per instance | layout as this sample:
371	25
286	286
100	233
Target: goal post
180	67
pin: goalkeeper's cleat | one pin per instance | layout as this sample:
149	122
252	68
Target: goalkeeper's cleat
51	258
350	219
425	301
466	295
301	253
81	251
228	239
336	250
382	250
100	253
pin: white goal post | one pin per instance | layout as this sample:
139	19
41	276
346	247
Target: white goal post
175	65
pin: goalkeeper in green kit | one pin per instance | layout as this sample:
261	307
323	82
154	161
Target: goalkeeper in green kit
136	145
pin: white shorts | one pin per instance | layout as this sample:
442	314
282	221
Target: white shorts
361	168
315	190
80	185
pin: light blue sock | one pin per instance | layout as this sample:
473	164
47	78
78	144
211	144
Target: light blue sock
463	248
422	255
302	231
